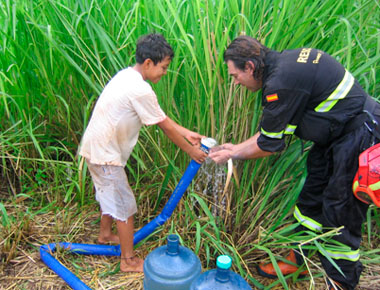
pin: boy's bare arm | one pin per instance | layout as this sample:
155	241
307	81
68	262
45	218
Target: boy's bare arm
174	134
193	137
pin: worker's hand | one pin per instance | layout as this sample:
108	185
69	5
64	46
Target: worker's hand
221	154
193	137
197	154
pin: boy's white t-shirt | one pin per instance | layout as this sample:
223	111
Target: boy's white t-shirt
126	103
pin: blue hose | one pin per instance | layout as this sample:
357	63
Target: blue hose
107	250
170	205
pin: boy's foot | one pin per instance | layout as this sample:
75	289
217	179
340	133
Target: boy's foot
109	239
133	264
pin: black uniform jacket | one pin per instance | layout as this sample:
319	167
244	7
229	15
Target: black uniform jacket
306	92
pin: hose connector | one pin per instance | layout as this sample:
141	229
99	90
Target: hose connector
207	143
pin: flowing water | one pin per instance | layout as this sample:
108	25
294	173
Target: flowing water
211	179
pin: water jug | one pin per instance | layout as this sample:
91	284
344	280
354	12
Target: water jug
171	267
221	278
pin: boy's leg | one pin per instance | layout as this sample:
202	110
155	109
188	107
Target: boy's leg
106	235
117	202
128	263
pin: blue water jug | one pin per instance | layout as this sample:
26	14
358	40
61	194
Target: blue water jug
171	267
221	278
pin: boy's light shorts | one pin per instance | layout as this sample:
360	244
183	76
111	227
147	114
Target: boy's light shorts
113	192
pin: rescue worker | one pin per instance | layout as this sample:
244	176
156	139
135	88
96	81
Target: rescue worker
306	92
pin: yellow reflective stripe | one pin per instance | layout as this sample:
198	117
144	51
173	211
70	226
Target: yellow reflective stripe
290	129
306	221
355	185
375	186
339	93
275	135
339	255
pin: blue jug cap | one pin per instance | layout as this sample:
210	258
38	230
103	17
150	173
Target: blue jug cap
224	262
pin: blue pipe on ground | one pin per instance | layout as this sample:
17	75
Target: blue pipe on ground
107	250
72	280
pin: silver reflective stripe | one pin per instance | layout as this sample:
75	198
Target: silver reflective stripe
274	135
306	221
290	129
339	93
349	255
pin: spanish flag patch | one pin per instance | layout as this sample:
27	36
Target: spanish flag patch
272	98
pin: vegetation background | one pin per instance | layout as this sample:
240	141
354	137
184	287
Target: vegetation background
56	56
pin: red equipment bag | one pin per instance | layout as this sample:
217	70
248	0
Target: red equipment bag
366	184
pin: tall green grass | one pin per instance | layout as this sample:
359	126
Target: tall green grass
57	55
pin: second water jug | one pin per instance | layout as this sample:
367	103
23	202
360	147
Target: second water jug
221	278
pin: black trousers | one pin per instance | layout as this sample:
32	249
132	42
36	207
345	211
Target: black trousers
327	198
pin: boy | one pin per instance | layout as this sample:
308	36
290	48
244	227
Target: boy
126	103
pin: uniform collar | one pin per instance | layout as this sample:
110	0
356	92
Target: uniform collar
269	63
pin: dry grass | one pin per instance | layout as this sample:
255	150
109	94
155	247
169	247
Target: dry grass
21	267
25	270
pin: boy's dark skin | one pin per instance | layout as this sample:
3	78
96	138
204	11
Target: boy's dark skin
153	72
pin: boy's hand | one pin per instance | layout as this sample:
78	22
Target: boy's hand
178	134
194	138
197	154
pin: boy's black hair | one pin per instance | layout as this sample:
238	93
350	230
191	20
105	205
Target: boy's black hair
153	46
245	48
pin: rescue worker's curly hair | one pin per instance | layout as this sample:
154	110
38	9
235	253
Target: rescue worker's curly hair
245	48
153	46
